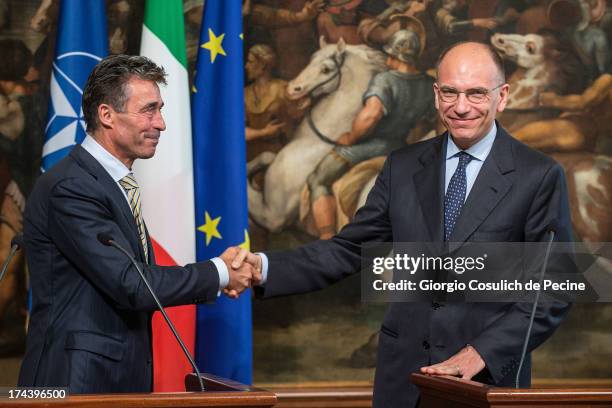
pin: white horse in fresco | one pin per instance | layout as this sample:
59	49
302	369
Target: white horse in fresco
338	74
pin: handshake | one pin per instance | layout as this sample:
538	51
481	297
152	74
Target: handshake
244	269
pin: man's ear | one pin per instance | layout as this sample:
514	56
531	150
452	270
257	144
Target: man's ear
436	101
106	115
503	97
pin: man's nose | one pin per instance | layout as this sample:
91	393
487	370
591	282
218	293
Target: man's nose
462	105
158	121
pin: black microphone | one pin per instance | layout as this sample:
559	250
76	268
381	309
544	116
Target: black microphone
17	240
16	243
107	240
551	229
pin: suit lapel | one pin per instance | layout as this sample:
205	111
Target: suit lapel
429	184
91	165
491	185
151	252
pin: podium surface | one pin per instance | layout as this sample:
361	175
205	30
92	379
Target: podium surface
453	392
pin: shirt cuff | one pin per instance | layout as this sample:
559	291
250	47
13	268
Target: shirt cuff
264	267
223	272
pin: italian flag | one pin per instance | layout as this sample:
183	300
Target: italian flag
166	182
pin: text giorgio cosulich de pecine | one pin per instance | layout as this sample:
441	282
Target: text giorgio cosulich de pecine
459	265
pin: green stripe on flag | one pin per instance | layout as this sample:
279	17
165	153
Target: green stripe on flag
164	18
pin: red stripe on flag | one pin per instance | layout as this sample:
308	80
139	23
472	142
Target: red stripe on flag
169	363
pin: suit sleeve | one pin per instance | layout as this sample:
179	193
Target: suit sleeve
78	213
321	263
500	345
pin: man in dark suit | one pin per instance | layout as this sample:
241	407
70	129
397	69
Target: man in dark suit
474	183
90	326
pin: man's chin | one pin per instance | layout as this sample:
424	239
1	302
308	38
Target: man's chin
462	132
463	137
147	154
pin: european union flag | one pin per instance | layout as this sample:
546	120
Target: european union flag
224	335
82	42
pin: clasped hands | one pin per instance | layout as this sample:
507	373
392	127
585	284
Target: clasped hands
244	269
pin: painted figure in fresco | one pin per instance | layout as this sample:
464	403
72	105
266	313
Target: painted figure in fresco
445	22
547	15
337	77
287	26
118	14
268	118
544	63
547	69
585	118
452	19
44	21
393	103
45	16
121	28
502	12
271	17
590	39
340	20
376	31
21	138
574	138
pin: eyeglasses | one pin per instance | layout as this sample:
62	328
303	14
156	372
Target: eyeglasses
474	95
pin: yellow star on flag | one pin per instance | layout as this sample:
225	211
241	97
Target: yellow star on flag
210	227
214	45
247	241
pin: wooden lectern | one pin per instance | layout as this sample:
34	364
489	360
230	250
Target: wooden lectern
219	393
453	392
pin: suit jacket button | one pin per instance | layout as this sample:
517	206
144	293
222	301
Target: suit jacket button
426	345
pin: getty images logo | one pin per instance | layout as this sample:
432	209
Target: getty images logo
411	264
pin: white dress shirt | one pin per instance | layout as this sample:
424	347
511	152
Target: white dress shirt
479	153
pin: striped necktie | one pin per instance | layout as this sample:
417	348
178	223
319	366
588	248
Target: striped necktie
132	190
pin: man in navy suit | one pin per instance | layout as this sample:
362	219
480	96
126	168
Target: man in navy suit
90	326
473	183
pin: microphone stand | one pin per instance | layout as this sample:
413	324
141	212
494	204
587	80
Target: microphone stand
533	310
110	242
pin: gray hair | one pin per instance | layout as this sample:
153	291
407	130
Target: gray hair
107	83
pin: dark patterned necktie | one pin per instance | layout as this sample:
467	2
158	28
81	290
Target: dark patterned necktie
455	195
132	190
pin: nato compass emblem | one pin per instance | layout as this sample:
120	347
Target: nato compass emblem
66	125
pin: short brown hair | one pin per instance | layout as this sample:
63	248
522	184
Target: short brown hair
107	83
